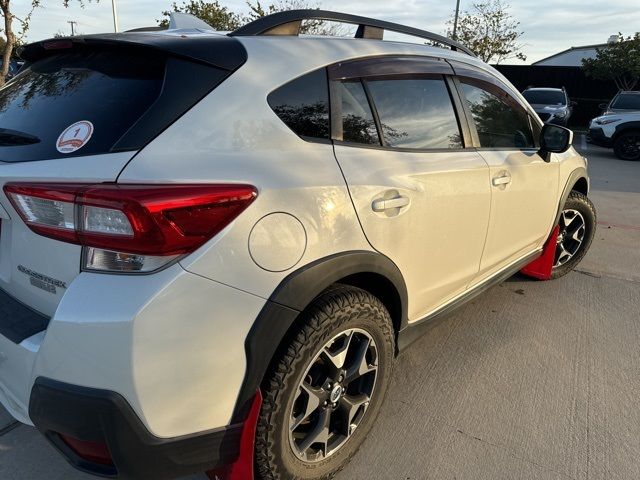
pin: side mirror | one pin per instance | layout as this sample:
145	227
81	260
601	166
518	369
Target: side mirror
554	139
574	103
603	106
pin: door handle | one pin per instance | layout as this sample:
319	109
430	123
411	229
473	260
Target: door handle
502	180
382	205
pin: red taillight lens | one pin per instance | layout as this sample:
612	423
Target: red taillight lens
167	220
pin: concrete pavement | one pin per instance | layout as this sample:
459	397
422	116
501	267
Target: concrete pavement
532	380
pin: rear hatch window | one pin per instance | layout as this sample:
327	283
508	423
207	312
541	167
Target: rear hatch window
98	95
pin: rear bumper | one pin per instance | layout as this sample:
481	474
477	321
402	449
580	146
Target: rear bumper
104	416
153	365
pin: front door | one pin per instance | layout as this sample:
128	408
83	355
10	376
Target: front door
524	186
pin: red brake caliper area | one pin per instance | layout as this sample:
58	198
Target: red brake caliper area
242	468
542	266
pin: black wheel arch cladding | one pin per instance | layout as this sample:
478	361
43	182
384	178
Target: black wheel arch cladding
578	181
296	292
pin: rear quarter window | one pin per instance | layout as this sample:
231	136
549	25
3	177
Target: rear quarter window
303	105
109	89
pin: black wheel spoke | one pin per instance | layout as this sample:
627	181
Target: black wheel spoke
349	407
315	398
360	365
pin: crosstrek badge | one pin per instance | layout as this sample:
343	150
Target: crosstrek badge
75	137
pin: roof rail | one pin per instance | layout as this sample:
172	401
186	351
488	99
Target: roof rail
289	22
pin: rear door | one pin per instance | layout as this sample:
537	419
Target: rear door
524	186
422	198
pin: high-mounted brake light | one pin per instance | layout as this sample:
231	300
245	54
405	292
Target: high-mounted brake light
133	228
58	45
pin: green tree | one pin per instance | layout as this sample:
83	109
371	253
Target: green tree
224	19
13	36
619	62
212	13
490	31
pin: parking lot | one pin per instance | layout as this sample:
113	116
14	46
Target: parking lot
532	380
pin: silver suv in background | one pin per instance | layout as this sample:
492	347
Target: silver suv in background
624	101
551	104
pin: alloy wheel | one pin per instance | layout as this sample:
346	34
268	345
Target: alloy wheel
572	233
334	395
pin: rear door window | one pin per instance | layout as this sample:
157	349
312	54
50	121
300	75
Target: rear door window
103	93
358	124
416	113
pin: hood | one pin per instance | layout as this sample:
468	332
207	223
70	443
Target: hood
541	108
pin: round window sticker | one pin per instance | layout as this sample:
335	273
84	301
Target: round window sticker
75	137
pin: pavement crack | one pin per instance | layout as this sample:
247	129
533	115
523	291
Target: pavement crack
612	276
8	428
514	455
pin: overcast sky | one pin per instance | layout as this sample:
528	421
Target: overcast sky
549	26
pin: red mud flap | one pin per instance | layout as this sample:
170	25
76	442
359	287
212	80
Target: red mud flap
242	468
541	267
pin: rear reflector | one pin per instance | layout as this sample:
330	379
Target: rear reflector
94	452
129	227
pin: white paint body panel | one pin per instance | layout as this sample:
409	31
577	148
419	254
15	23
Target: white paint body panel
523	210
437	240
171	343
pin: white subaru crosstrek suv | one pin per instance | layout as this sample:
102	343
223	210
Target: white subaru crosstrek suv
214	246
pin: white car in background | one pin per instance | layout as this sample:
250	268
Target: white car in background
617	130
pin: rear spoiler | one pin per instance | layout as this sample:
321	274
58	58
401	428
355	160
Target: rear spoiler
212	49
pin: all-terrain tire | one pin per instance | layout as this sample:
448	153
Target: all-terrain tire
340	308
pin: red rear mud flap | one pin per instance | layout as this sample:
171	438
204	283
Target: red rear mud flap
542	266
242	468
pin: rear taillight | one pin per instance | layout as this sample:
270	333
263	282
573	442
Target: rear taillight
131	228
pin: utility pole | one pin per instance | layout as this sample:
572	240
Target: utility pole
73	24
115	16
455	21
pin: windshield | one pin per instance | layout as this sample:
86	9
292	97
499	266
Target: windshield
629	101
545	97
